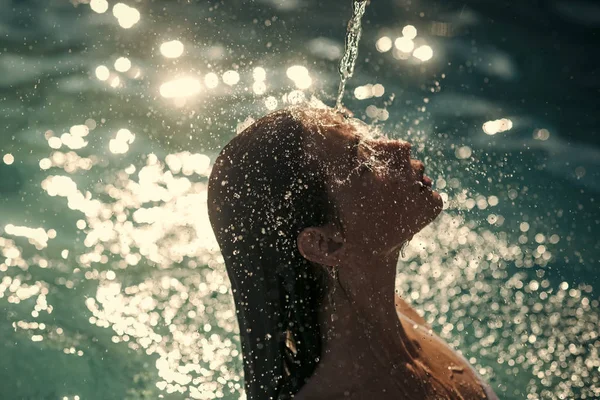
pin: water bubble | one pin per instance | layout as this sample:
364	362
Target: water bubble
404	44
383	44
423	53
172	49
126	16
99	6
231	77
463	152
211	80
122	64
259	74
180	88
102	72
8	159
409	31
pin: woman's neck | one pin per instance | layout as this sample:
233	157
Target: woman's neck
362	334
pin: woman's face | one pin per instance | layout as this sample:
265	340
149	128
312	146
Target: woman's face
381	194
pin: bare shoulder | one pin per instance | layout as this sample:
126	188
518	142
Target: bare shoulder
402	307
439	359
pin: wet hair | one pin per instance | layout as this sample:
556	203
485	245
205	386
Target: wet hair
264	189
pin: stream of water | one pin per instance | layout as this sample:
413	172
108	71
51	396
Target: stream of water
348	60
112	112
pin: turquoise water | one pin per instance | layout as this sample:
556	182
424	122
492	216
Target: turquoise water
111	285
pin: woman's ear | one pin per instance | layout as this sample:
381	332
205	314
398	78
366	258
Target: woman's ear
322	245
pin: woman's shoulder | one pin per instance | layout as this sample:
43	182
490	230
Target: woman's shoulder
405	310
439	358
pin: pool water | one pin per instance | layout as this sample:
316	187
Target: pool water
111	283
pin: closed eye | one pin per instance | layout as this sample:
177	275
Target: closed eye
368	159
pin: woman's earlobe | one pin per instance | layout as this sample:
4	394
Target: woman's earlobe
319	245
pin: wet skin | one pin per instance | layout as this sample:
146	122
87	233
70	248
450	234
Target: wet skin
379	347
382	195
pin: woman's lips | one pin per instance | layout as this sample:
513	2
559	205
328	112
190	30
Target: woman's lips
427	181
424	180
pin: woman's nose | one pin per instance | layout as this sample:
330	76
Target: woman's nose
398	150
404	147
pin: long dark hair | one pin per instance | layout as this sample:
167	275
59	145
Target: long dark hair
263	190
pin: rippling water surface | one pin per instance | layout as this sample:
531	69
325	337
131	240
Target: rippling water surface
111	284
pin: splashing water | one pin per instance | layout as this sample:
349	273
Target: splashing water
109	271
403	248
351	51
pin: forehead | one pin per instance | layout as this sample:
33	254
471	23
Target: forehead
334	137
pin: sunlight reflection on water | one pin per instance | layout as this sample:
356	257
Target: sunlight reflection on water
138	292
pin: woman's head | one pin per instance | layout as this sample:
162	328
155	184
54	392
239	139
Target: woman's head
381	196
299	190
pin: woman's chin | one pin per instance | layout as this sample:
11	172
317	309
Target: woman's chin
433	204
432	207
438	203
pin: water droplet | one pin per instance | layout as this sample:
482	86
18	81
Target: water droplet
403	249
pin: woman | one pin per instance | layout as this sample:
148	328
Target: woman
310	212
